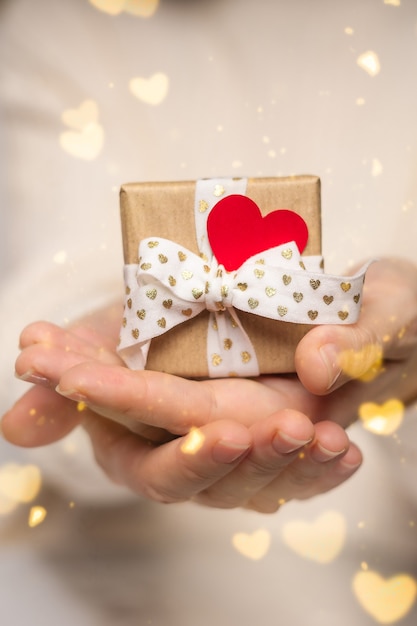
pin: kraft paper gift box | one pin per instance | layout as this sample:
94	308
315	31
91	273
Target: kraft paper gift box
152	213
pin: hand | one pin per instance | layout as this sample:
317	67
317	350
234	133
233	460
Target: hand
373	360
222	463
232	397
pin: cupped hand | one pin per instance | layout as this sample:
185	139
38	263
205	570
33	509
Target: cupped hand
225	442
244	417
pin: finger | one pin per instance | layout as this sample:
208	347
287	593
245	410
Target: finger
165	401
43	364
43	361
83	341
40	417
175	471
329	356
327	462
277	441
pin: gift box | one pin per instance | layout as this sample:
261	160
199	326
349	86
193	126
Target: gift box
190	313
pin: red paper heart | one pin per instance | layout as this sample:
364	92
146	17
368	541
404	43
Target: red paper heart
237	230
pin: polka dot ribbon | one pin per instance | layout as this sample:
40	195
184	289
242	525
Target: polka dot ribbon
171	285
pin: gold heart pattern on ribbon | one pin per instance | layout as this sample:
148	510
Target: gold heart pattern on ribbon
171	284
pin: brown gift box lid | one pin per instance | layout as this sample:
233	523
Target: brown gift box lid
166	209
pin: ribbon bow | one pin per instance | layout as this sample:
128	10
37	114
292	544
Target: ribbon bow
172	284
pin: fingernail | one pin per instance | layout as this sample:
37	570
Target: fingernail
33	377
325	454
71	394
284	444
330	357
226	451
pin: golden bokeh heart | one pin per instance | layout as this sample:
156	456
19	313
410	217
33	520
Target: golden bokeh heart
83	116
253	546
152	90
19	483
364	364
386	600
382	419
86	137
320	540
86	144
139	8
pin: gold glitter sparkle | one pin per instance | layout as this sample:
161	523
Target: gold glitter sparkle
369	62
37	515
377	168
193	441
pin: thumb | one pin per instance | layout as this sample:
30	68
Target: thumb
329	356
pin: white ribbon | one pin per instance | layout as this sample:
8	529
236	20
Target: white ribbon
171	285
